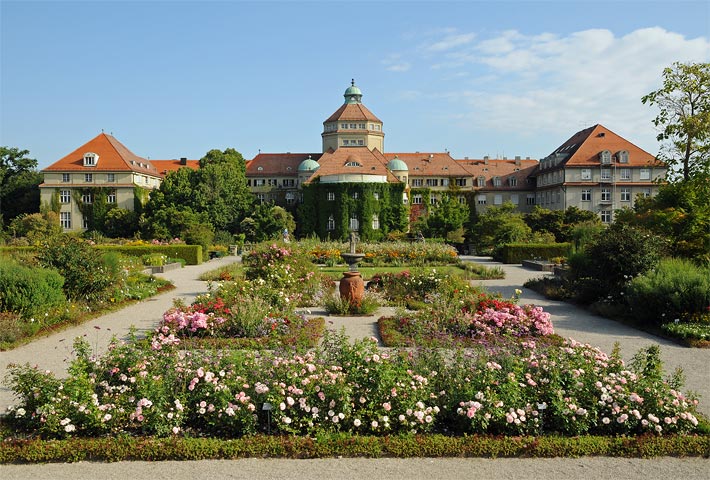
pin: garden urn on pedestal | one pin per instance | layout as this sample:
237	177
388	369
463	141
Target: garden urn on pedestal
352	287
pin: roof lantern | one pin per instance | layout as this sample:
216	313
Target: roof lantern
353	93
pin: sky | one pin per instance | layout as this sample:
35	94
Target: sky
173	79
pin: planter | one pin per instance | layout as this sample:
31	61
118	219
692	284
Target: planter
539	265
162	268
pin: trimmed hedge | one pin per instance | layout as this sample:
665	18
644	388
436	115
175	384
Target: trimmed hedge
332	445
29	291
192	254
517	252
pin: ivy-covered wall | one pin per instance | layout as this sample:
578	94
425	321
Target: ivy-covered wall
349	198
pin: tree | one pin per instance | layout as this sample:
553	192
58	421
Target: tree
448	218
684	118
267	222
499	225
16	170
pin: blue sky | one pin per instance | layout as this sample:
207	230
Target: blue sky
178	78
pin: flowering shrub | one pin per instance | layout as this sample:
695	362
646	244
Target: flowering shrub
382	253
410	286
570	389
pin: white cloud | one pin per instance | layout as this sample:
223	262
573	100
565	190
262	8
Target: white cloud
394	63
553	83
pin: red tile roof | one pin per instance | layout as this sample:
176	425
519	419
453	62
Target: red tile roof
371	162
353	111
282	164
430	164
505	169
165	166
582	149
113	157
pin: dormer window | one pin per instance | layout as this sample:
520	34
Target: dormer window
623	156
496	182
353	164
605	157
90	159
481	181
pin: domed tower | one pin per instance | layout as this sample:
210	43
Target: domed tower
306	168
353	125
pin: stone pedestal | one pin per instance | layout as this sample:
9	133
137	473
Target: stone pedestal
352	288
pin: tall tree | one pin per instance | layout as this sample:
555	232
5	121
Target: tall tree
15	169
684	118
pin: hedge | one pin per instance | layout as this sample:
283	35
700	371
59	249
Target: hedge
517	252
192	254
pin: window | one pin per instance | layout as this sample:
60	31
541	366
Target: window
433	200
605	157
354	223
346	143
290	198
111	196
605	216
64	196
376	195
90	159
85	223
65	177
261	197
626	194
343	125
145	179
626	174
272	182
361	142
462	200
481	181
331	223
496	181
587	195
111	177
497	199
530	199
606	195
512	181
481	199
355	195
460	182
623	156
645	174
444	182
432	182
417	199
586	174
417	182
353	126
606	173
65	220
87	198
288	182
331	196
515	199
375	222
88	177
361	126
259	182
646	192
353	164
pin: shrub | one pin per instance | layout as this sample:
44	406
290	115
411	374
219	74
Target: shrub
10	327
29	291
192	254
517	252
612	260
677	289
86	275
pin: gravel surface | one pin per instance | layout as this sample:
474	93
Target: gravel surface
54	352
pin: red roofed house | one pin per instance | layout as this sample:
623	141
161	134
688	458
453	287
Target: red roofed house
596	170
103	165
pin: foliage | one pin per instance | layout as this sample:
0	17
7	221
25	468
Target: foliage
17	173
120	222
192	254
267	222
497	226
37	227
199	234
684	118
680	213
689	331
86	275
517	252
448	217
29	291
676	290
560	223
383	253
612	260
369	304
363	200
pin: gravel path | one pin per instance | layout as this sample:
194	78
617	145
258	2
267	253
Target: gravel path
53	353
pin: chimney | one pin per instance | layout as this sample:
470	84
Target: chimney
517	160
183	160
485	160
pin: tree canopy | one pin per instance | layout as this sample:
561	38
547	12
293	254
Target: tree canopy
19	182
684	118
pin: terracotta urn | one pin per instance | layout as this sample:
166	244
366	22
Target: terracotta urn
352	288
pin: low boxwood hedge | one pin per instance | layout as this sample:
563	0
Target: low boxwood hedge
192	254
517	252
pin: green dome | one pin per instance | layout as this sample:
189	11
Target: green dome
353	94
397	165
308	165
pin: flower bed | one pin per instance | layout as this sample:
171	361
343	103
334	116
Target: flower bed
384	253
571	389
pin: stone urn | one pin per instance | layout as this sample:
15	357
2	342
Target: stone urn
352	287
